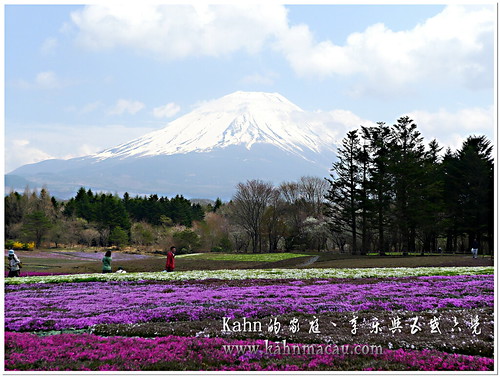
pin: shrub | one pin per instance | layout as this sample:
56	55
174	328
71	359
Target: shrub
118	237
17	245
28	246
186	239
225	244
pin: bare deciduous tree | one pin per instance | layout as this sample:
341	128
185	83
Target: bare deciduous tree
313	190
249	205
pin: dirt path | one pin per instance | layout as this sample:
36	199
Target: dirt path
309	261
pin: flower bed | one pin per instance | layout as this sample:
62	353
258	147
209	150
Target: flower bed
91	352
312	273
31	307
166	322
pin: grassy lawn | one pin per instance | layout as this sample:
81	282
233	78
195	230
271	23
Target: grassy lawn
265	257
65	262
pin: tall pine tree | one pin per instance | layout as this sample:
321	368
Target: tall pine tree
406	158
343	195
380	186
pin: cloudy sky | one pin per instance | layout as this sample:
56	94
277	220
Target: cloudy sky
79	79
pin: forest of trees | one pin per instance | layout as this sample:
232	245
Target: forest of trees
387	192
94	219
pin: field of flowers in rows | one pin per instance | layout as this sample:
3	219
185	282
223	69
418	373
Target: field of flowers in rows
274	273
421	319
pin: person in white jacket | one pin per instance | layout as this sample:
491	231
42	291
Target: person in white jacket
14	264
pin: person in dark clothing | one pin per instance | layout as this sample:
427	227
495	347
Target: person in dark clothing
170	266
475	247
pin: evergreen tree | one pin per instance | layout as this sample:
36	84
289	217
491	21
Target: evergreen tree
217	205
364	162
15	208
406	158
474	169
380	186
431	210
343	194
451	185
118	237
36	227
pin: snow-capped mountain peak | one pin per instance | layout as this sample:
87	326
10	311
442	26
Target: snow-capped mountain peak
240	118
204	153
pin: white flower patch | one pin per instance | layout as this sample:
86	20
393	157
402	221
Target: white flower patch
313	273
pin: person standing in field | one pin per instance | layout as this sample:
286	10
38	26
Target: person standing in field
14	265
475	247
169	267
106	262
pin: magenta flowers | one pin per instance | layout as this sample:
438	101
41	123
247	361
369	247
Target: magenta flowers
31	307
90	352
144	310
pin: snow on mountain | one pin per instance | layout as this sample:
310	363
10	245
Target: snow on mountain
240	118
203	154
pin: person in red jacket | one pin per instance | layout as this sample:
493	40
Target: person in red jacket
169	267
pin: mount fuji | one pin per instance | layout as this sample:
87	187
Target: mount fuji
205	153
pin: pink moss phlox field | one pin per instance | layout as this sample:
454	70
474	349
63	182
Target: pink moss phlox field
76	255
90	352
32	307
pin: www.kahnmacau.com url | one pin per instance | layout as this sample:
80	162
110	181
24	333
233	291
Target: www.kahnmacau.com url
282	348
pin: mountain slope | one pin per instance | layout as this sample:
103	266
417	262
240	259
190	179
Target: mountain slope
202	154
241	118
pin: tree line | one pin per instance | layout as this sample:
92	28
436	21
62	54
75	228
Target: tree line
387	192
93	219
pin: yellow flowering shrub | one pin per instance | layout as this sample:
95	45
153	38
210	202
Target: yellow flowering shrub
17	245
29	246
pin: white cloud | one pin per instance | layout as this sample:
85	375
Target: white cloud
46	80
452	128
19	152
178	31
49	46
166	111
449	128
455	46
24	145
20	143
126	106
259	79
337	122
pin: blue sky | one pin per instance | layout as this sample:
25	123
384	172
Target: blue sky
79	79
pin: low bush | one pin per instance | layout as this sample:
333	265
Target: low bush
16	245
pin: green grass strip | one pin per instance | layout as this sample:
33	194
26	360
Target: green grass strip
271	257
